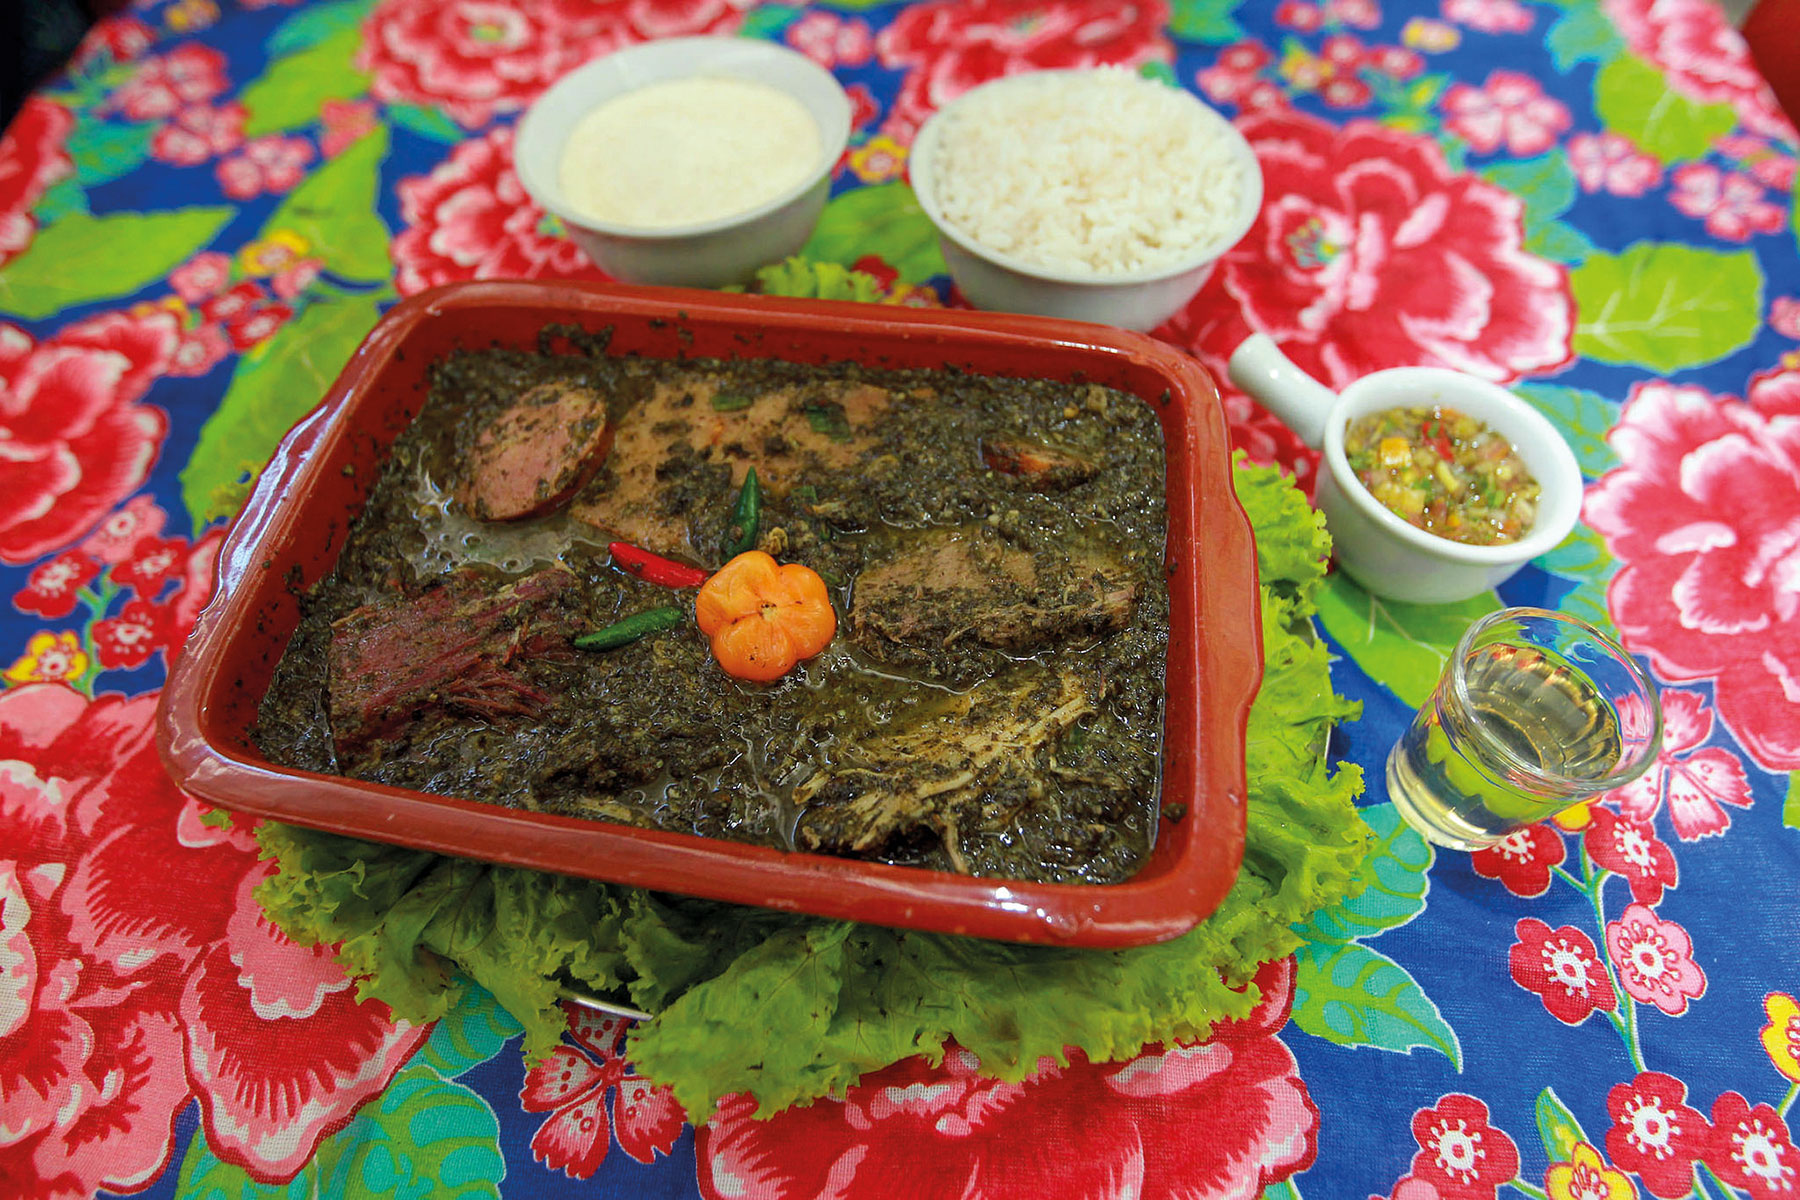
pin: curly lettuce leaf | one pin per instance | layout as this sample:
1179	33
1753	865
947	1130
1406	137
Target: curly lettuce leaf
790	1008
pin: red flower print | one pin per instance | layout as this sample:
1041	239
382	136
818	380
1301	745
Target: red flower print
239	302
1460	1154
1370	253
268	164
1411	1187
131	987
52	590
201	277
1632	849
831	41
1655	960
1489	16
947	47
1358	14
74	440
31	159
573	1085
1655	1134
346	123
478	58
470	219
189	74
1236	70
1299	15
128	640
1701	516
864	108
1610	162
1245	1117
1784	316
1563	968
1732	203
1397	62
120	533
296	279
182	608
1704	58
1522	860
202	348
1696	782
198	133
1752	1149
1508	110
121	37
257	325
153	562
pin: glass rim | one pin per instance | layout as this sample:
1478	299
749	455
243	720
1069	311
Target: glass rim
1627	769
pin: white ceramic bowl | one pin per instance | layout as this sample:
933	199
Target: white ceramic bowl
1139	300
712	253
1383	552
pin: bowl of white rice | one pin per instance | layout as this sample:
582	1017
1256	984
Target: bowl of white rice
686	161
1097	195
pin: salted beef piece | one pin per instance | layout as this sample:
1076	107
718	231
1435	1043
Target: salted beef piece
971	585
1035	466
460	646
537	453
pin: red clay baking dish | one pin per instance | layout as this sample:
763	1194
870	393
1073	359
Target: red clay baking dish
294	524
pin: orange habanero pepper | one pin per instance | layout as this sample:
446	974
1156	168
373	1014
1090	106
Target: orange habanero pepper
764	616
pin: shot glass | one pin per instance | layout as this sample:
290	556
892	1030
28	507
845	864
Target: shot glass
1535	711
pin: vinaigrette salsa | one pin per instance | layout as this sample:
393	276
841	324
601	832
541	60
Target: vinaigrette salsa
1445	472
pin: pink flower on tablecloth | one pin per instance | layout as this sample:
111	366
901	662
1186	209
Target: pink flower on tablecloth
189	74
1655	1133
831	40
1489	16
122	36
1562	967
1522	860
243	298
476	59
1396	62
31	159
1460	1155
202	348
864	108
74	440
346	123
267	164
1509	110
202	276
1752	1149
1631	849
947	47
1696	782
153	563
128	989
1732	203
1704	57
1703	516
574	1084
258	325
199	132
54	588
1302	16
1245	1118
1234	72
119	534
1610	162
1784	316
291	281
127	640
1655	960
1358	14
1369	252
470	219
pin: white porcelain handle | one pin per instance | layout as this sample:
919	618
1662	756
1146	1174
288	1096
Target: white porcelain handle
1303	403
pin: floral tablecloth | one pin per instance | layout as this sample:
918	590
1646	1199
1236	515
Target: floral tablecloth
1592	203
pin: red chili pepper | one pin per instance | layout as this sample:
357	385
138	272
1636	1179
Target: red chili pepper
1433	432
653	569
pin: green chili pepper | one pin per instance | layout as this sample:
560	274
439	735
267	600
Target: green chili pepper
731	401
623	633
746	517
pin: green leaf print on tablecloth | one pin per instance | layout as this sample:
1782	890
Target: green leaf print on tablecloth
294	89
310	26
1557	1126
334	210
1634	98
884	220
274	386
1790	809
1395	881
469	1034
82	258
1582	417
426	1136
1583	556
1403	646
1666	306
1547	186
426	122
1206	21
1583	34
103	150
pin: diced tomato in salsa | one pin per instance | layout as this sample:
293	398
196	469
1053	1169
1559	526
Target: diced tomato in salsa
1445	472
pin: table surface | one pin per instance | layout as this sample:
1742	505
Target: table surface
1591	203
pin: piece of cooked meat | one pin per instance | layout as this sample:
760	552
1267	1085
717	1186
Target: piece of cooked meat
969	766
538	453
1035	466
690	424
971	584
458	645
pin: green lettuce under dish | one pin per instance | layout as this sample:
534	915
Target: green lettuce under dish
790	1008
